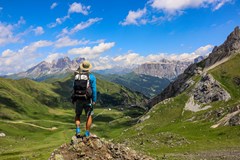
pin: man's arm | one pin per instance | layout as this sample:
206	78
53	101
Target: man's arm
93	87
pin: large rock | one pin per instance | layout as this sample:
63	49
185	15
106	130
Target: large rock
209	90
96	149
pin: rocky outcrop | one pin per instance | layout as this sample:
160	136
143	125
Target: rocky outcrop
231	119
96	149
162	69
209	90
229	47
191	105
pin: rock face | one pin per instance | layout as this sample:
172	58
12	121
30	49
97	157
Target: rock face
178	86
231	119
96	149
229	47
209	90
162	69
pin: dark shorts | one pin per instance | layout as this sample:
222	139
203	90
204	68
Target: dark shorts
80	105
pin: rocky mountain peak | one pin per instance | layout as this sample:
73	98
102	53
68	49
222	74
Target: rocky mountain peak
56	67
229	47
63	62
79	59
235	35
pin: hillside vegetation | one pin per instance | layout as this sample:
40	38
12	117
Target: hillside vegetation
145	84
40	116
170	131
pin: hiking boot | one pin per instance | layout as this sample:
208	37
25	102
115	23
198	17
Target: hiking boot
87	133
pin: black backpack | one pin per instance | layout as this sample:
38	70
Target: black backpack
81	87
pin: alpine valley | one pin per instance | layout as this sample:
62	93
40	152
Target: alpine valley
148	78
195	115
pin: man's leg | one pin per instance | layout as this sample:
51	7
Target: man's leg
89	123
89	113
78	122
78	111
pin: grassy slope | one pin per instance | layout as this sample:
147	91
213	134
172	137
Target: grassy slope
170	131
47	105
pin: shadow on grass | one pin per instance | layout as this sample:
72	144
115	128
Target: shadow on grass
103	118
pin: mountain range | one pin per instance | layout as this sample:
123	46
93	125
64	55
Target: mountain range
61	67
45	70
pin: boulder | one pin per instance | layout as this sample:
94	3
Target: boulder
96	149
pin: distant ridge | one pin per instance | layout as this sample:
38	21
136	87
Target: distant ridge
163	69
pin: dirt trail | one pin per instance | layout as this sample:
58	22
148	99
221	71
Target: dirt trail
30	124
217	64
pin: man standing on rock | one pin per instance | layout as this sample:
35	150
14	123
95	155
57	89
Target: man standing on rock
84	95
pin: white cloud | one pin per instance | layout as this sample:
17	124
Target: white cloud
53	56
66	41
92	52
84	25
101	63
20	22
220	4
38	30
22	59
174	6
73	8
134	17
7	53
204	50
128	59
7	32
80	26
166	10
53	5
78	8
58	21
132	59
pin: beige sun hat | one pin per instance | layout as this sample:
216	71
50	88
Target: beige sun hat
85	66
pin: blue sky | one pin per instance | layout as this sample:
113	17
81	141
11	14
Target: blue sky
111	32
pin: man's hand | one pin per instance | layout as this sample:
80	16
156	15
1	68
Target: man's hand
93	103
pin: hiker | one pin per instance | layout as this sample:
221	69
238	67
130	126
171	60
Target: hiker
84	95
